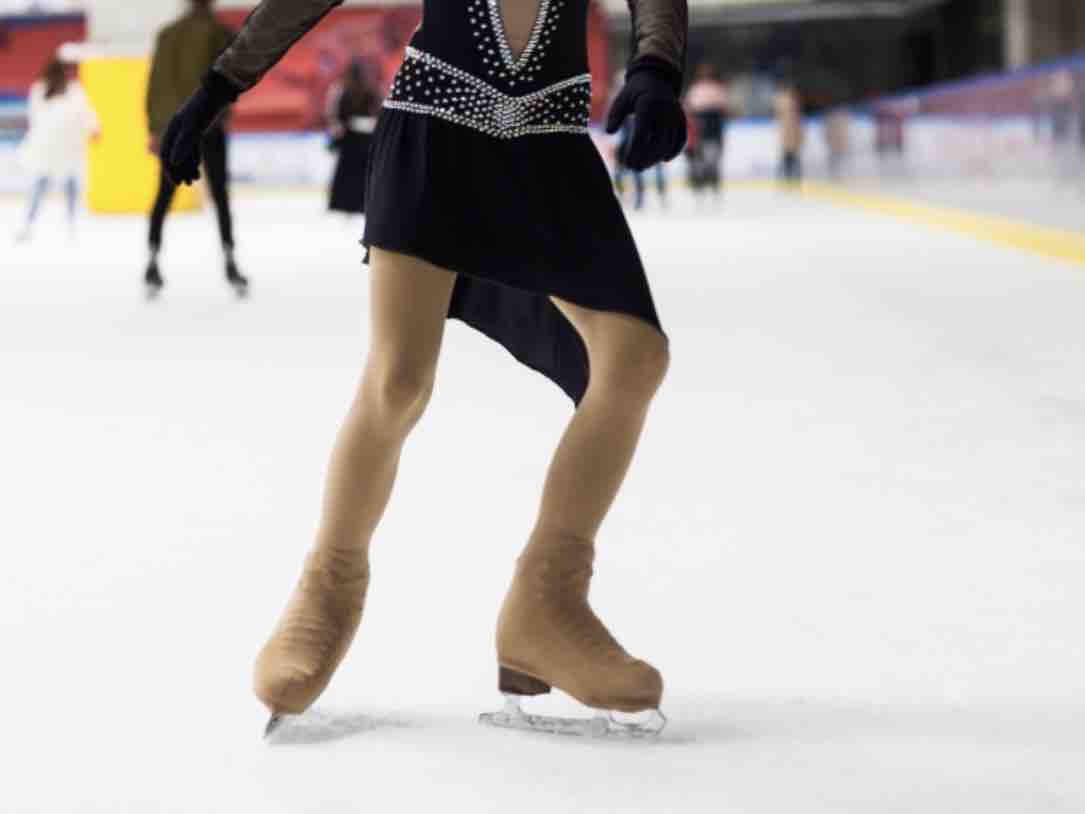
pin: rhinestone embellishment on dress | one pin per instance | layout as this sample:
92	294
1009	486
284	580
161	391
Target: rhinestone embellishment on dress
428	85
488	29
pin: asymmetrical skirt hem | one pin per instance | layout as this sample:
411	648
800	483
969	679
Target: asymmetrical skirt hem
573	376
519	221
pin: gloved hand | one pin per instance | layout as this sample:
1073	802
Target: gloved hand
651	94
184	134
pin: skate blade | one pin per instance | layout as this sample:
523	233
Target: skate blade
603	725
273	725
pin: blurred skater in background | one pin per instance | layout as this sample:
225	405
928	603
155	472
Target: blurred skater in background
788	107
837	140
1062	101
61	121
625	136
707	104
1079	97
183	52
621	169
890	118
353	105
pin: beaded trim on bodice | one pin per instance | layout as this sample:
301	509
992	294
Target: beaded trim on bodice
428	85
489	91
488	29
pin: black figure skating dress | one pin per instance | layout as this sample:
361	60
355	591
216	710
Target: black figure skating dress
482	164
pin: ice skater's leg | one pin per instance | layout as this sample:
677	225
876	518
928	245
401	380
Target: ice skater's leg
166	191
628	359
152	277
547	630
409	302
619	178
37	195
215	162
693	169
71	194
713	161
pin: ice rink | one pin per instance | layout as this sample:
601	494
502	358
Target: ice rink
853	539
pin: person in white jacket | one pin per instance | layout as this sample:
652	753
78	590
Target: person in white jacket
61	121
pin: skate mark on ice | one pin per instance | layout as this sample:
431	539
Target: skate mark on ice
821	722
320	726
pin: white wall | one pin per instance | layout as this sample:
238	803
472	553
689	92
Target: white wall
113	21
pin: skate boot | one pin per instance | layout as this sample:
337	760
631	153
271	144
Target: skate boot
152	279
548	636
236	279
314	633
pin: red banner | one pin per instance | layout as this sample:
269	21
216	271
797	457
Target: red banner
28	43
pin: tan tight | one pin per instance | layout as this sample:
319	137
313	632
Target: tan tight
409	305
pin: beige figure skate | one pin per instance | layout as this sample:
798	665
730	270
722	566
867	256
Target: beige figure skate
313	635
548	636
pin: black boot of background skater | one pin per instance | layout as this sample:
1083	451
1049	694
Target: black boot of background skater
152	279
235	278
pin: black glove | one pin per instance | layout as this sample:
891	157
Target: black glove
180	150
651	94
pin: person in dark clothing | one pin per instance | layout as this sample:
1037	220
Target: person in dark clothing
621	164
1079	92
788	107
621	169
183	52
707	104
353	105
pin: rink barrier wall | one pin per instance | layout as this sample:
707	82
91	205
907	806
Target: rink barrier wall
980	83
303	158
1008	124
937	146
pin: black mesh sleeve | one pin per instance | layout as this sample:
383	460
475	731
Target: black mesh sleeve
660	30
269	32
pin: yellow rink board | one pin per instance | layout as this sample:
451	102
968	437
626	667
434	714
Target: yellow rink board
1058	244
122	175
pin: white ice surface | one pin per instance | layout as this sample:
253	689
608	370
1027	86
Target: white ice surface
852	538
